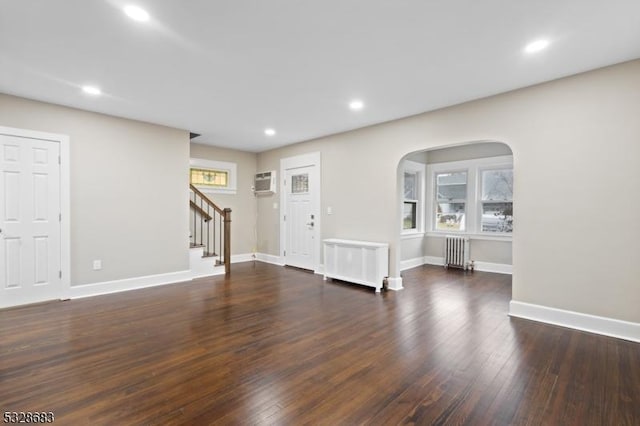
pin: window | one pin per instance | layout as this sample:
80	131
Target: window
208	177
472	197
300	183
413	200
451	198
497	200
410	212
213	176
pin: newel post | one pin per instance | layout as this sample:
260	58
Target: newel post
227	241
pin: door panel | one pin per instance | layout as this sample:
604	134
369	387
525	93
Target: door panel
13	257
30	236
301	214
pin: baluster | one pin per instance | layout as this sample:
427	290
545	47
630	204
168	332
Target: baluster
193	226
201	223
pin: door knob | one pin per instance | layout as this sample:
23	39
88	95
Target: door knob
310	224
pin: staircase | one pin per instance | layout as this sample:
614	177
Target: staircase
210	228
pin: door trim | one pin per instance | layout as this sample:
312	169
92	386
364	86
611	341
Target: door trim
65	199
304	160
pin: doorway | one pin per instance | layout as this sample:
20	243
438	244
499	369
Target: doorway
33	217
300	243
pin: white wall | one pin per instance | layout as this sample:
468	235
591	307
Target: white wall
575	144
129	190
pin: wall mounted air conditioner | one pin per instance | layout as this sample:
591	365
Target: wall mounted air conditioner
265	182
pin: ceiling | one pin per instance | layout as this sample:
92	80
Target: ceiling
230	69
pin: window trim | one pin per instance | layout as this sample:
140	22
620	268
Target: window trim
473	205
419	170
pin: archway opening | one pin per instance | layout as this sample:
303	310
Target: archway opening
464	191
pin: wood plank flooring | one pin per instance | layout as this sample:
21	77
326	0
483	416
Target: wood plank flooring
273	345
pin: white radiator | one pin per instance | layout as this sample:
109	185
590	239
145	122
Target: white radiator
360	262
456	252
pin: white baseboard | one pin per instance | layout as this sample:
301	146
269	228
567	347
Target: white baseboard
394	283
319	270
269	258
576	320
217	270
498	268
434	260
244	257
411	263
116	286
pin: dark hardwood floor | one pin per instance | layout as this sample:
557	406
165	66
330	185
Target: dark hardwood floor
272	345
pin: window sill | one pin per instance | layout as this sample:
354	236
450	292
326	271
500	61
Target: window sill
408	235
210	190
485	237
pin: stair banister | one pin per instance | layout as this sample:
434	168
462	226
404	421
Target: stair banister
203	211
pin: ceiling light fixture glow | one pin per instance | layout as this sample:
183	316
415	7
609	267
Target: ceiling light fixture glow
269	132
91	90
536	46
136	13
356	105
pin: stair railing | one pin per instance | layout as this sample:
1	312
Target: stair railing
210	228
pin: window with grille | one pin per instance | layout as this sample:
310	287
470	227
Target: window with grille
208	177
451	201
213	176
413	197
474	197
496	200
410	211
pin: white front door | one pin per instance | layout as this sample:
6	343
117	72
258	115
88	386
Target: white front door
30	236
300	219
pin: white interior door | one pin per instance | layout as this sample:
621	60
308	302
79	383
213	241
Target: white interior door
301	217
30	236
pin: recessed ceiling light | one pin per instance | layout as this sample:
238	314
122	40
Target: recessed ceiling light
91	90
269	132
356	105
536	46
136	13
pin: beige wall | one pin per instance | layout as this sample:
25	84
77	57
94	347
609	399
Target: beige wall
575	144
129	189
243	203
414	247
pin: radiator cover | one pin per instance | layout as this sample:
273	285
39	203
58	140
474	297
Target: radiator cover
359	262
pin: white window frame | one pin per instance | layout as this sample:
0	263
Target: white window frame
473	204
480	201
457	200
419	170
230	168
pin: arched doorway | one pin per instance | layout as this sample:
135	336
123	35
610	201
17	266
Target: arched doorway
463	190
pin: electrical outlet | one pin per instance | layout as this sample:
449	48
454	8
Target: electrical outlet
329	210
97	265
